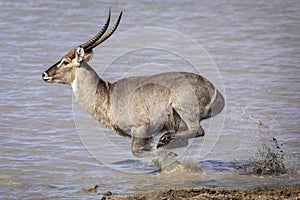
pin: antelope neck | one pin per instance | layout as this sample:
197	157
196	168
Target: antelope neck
85	87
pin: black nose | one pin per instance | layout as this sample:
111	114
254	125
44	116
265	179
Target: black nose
45	76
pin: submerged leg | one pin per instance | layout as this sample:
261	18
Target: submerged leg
166	161
142	146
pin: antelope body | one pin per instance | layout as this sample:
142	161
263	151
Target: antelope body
140	107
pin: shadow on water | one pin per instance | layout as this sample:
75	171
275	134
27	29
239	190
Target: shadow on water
135	165
268	162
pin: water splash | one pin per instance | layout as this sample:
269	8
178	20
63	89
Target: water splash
269	157
168	162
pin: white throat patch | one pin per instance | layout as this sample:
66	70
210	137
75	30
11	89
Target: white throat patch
74	86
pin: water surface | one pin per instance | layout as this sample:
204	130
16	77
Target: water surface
255	46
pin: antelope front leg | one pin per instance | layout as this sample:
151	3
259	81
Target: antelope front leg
142	146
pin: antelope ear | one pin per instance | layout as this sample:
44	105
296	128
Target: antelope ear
88	56
79	55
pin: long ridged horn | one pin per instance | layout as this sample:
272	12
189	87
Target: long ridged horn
86	45
106	36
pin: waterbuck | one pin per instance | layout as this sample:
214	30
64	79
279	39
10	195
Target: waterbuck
140	107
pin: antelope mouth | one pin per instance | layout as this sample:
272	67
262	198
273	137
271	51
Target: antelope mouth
47	78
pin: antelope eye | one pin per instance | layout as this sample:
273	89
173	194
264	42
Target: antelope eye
65	62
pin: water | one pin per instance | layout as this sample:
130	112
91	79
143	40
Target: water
254	44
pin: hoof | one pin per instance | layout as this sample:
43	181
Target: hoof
165	140
170	141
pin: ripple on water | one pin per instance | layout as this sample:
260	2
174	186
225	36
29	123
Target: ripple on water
255	46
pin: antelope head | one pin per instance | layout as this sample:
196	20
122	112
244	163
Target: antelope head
64	71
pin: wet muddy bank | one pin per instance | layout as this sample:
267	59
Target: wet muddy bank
263	193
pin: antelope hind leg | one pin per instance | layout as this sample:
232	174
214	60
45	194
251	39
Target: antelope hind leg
191	129
172	140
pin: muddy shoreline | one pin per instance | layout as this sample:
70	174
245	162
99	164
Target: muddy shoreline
262	193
